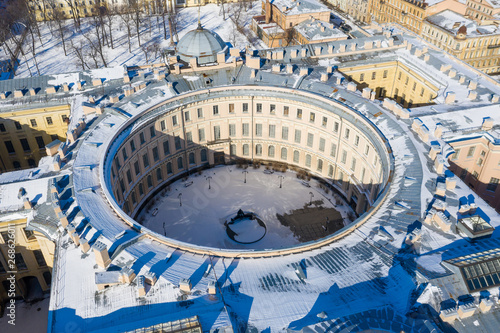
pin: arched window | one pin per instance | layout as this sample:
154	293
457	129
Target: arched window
150	181
191	158
159	177
16	165
246	150
320	165
179	163
283	153
296	156
31	163
258	150
308	160
270	151
169	167
330	171
232	150
203	155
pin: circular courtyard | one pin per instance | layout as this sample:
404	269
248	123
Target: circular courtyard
202	209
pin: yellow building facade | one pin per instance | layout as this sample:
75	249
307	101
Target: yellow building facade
24	134
393	80
26	259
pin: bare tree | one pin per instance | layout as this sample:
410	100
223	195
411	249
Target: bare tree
59	19
79	51
126	18
135	9
110	14
74	12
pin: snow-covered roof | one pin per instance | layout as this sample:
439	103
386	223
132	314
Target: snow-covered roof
452	22
296	7
316	30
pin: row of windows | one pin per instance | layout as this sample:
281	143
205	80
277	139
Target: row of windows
21	264
158	172
33	123
25	144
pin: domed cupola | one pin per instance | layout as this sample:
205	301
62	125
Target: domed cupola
202	44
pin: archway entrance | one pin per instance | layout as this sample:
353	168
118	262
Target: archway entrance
32	288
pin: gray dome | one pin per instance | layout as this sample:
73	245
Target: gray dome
202	44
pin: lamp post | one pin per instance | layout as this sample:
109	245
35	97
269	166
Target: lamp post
180	199
311	200
208	178
245	173
281	180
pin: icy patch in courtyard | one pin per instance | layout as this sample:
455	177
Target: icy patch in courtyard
201	217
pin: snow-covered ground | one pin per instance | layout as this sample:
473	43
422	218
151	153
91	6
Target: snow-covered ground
51	59
194	223
30	317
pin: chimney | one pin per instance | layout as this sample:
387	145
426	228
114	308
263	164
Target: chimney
101	254
268	12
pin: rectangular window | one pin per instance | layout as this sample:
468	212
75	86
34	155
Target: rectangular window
30	235
162	125
353	164
414	86
231	108
374	75
385	74
367	149
455	155
480	161
156	155
422	92
310	139
297	136
286	110
475	175
344	157
272	108
40	260
174	120
492	186
333	150
189	137
336	127
470	153
25	144
124	154
49	120
166	148
18	125
232	129
312	117
363	171
200	112
129	176
245	107
356	140
299	113
132	145
362	77
272	131
324	122
322	144
137	169
187	116
201	134
347	133
2	128
258	129
33	122
145	160
259	107
215	109
284	133
142	138
246	129
39	142
177	143
152	132
20	264
216	132
159	176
